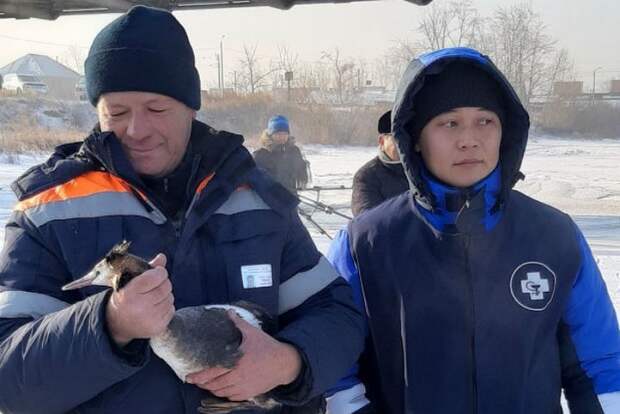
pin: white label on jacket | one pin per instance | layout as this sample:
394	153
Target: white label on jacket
256	276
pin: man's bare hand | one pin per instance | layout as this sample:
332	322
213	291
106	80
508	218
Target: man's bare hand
266	363
144	307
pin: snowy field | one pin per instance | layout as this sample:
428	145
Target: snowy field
580	177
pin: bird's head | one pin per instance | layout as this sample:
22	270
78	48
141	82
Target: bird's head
116	269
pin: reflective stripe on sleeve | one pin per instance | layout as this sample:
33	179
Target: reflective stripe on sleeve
302	286
240	201
21	304
95	205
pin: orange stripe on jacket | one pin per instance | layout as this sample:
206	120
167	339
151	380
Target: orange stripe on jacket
86	184
209	177
204	182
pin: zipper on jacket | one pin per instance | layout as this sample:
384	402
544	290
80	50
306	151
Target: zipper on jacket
148	205
472	343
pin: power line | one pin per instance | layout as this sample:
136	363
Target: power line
41	42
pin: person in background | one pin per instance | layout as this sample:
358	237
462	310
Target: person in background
280	157
382	177
478	298
220	230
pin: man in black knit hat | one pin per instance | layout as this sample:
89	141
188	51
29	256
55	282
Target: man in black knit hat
219	231
382	177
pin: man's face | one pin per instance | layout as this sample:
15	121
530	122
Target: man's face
153	129
461	147
280	137
388	146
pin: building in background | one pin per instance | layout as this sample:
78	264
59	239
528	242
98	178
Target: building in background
60	80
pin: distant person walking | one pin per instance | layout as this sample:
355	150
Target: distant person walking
280	157
382	177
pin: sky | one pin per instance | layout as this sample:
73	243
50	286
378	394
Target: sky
587	28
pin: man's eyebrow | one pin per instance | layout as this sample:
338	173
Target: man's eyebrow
160	100
114	105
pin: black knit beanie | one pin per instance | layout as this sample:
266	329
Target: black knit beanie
144	50
458	85
384	126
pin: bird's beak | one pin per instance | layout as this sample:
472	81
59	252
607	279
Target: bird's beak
97	276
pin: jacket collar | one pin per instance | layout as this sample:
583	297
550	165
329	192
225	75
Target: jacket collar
210	146
462	210
385	159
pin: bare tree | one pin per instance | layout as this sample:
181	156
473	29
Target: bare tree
434	27
363	73
521	49
561	68
466	24
286	61
389	68
343	72
252	77
456	23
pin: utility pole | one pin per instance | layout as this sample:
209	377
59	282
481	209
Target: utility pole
594	82
222	62
219	73
288	77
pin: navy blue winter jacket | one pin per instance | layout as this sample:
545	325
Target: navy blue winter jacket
55	353
482	300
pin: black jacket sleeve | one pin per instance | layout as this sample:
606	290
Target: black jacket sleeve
51	361
263	160
366	191
300	166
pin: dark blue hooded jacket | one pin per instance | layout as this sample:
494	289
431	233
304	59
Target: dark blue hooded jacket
55	352
478	300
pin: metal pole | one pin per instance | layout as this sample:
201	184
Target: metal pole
288	90
222	61
219	77
594	82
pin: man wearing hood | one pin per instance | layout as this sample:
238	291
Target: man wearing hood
382	177
479	299
150	173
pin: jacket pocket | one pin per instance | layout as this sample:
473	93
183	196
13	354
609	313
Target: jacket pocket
251	245
255	278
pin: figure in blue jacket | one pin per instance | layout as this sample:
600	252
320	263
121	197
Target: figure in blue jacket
478	299
153	175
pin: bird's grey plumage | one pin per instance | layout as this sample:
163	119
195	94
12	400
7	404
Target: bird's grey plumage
197	337
212	328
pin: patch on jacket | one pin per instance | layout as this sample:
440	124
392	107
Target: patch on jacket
532	285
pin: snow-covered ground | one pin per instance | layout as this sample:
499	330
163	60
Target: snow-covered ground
580	177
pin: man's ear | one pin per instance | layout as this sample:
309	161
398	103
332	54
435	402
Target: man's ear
194	114
381	140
